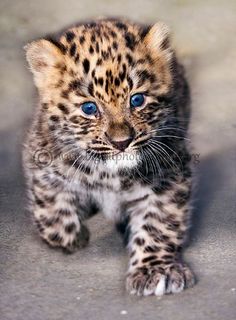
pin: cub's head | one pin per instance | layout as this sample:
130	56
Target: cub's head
102	88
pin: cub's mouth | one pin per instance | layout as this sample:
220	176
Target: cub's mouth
122	160
114	159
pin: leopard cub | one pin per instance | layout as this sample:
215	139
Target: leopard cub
112	118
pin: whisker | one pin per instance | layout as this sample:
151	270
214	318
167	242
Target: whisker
158	142
170	136
166	154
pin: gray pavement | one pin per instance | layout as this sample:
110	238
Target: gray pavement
39	283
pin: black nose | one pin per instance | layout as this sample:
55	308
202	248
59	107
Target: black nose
120	144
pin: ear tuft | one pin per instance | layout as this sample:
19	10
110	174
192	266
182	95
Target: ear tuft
158	38
42	54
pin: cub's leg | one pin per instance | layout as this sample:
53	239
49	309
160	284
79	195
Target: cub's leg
55	209
156	228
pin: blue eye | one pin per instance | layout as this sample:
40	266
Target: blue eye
137	100
89	108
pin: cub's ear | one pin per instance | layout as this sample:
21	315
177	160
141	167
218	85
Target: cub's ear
158	39
42	56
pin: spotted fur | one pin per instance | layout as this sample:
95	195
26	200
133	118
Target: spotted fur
145	187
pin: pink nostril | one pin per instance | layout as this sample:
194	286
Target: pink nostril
120	144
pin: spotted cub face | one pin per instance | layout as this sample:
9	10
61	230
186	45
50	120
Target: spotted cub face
101	86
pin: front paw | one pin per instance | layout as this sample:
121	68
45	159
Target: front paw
80	240
69	242
149	280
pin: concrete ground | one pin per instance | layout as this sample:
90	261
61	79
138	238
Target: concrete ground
39	283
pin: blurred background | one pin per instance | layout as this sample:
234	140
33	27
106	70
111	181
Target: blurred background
40	283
